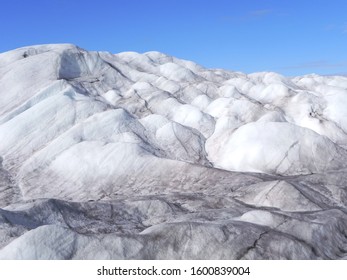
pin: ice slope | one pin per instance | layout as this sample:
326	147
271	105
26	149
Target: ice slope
150	155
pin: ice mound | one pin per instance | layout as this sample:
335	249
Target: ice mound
153	155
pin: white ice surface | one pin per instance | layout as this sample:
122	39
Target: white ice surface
164	141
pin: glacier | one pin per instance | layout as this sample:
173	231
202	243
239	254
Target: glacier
147	156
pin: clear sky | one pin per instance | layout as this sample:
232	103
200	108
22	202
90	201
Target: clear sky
292	37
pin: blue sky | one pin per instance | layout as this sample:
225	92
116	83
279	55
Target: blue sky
291	37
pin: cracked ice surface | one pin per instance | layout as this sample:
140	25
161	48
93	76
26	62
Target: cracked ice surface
146	156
